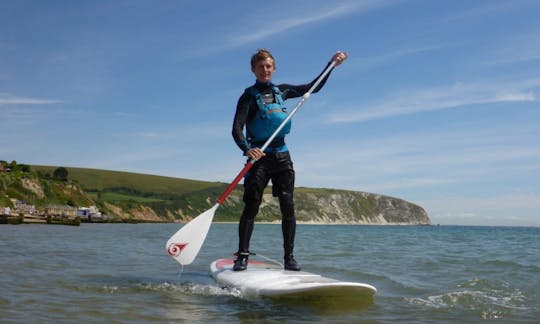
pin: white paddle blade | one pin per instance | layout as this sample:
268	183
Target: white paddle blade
185	244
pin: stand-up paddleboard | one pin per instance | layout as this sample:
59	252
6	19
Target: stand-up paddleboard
271	280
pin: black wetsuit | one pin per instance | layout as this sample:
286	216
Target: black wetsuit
276	166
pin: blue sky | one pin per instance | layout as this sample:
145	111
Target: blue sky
437	104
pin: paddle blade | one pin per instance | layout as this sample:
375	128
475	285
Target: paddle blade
185	244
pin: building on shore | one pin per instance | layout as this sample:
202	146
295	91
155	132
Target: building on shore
22	212
91	214
60	211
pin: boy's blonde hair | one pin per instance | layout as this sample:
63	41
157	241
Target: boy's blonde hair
262	54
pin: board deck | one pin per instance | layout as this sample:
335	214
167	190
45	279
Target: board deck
271	280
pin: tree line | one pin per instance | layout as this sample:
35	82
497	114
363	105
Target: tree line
60	173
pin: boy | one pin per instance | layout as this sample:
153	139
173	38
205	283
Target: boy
260	110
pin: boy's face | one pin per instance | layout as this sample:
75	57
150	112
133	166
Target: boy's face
264	70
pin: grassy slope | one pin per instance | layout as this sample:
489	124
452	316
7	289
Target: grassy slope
98	180
127	190
159	192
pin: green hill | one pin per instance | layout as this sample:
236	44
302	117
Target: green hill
129	192
98	180
142	197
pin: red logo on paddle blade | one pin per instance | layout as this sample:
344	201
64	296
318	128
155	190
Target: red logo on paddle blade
174	249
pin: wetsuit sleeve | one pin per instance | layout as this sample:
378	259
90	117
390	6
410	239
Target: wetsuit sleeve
295	91
240	119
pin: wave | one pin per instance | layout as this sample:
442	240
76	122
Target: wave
491	300
191	288
512	265
180	288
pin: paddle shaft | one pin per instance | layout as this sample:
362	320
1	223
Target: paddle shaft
251	162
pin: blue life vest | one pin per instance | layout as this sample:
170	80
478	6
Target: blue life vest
269	117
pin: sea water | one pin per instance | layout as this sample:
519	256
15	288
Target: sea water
99	273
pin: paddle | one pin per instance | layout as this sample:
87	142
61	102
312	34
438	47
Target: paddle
185	244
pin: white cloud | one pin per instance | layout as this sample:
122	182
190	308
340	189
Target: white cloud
502	209
283	24
268	21
265	23
414	159
439	98
12	100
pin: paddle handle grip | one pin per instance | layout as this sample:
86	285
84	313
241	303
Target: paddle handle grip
236	180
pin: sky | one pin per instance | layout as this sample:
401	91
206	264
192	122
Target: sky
438	103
